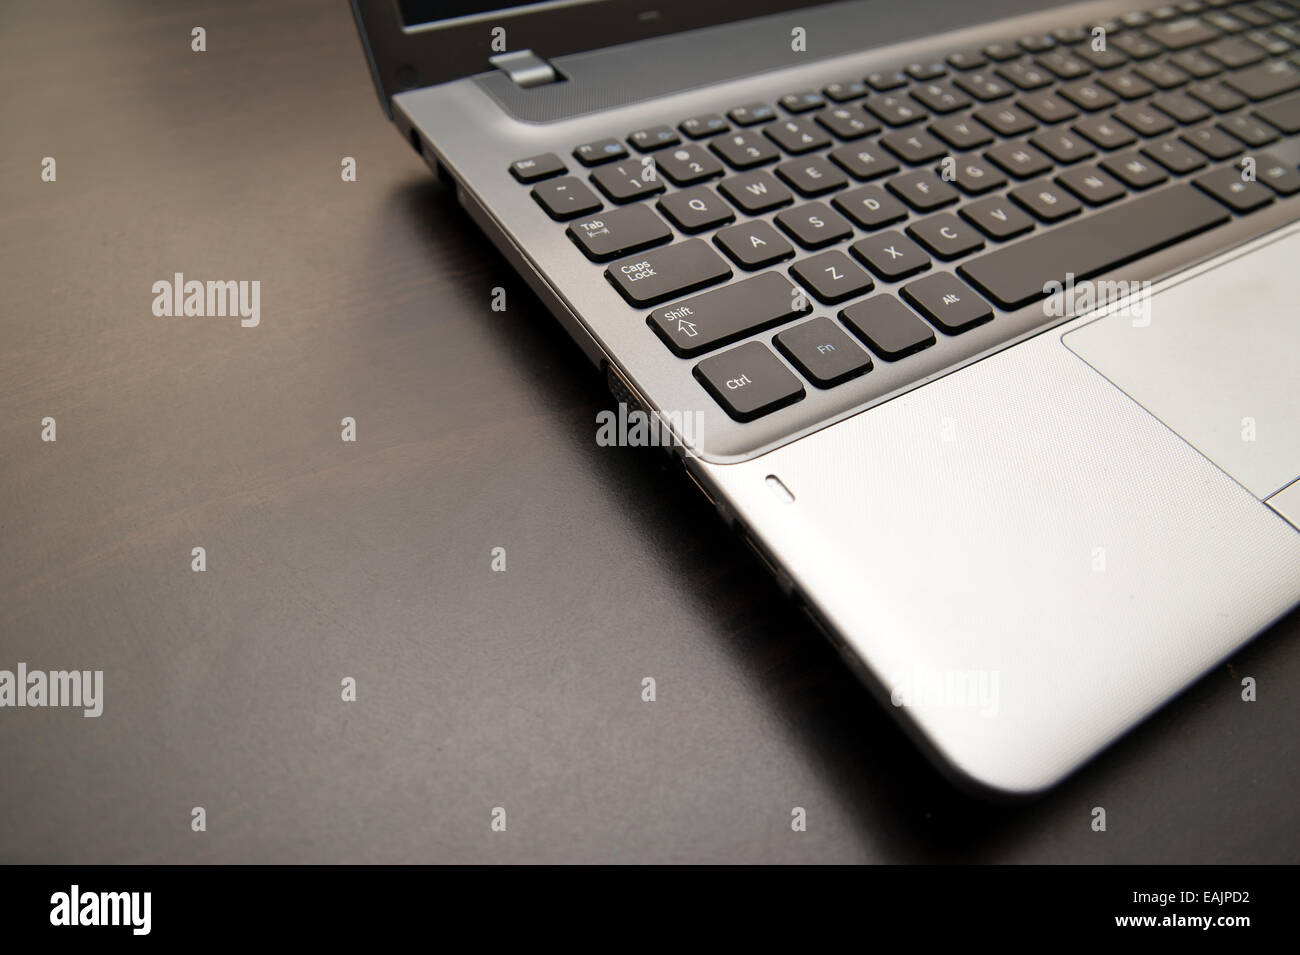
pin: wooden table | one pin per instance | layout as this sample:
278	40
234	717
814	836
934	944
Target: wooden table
372	559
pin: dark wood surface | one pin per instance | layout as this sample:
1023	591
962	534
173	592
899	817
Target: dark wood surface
476	429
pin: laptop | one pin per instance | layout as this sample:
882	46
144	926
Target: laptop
977	321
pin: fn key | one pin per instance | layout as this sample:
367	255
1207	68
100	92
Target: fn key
749	381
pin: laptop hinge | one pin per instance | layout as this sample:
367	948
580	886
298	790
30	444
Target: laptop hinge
525	67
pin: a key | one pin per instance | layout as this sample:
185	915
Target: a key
688	164
1134	170
653	137
749	381
946	236
651	277
864	161
811	176
823	352
744	150
1091	184
539	167
723	315
814	225
832	277
599	151
798	135
888	327
1046	200
870	207
922	190
618	232
695	209
1015	275
753	245
1228	187
997	217
948	302
755	192
565	198
891	255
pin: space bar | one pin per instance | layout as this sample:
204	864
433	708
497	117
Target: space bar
1015	275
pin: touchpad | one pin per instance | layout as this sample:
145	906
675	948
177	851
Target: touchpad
1215	358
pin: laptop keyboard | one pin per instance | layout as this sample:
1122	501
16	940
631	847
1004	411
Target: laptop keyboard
895	197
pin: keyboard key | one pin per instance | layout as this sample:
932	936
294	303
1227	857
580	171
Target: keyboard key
940	97
814	225
1105	133
723	315
946	236
1195	63
1215	143
913	146
1046	200
1107	58
602	150
1234	52
870	207
984	86
1174	156
884	82
1063	146
1025	75
1164	75
1279	176
1064	64
891	255
749	381
1048	108
1126	85
1135	170
811	176
894	109
755	192
1002	51
802	102
961	133
695	209
845	90
997	217
922	190
534	168
619	232
753	245
976	176
1179	34
1036	42
628	180
1266	80
1248	129
1091	184
653	137
847	122
1228	187
832	277
1284	114
967	60
1019	159
1015	275
949	303
1005	120
688	164
1181	107
565	198
925	71
652	277
1136	45
888	327
823	352
797	135
1141	119
1088	95
744	150
751	114
1216	96
864	162
704	125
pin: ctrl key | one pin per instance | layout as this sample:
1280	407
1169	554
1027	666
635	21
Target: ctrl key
749	381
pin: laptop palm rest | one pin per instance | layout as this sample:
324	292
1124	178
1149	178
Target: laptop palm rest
1214	359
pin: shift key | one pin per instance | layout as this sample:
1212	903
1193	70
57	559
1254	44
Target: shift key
725	314
652	277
